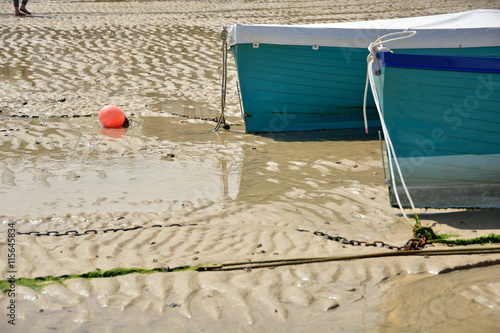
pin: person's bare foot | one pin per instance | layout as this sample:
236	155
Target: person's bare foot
18	13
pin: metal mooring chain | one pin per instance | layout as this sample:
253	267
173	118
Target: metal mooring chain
93	231
412	244
214	119
39	117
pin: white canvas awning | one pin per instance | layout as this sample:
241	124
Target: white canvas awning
476	28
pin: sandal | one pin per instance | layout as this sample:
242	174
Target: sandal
25	11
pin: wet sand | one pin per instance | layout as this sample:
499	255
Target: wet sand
218	197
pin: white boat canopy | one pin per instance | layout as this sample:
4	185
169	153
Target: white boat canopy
476	28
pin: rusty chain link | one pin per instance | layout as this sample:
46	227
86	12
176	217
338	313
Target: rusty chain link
48	117
412	244
214	119
93	231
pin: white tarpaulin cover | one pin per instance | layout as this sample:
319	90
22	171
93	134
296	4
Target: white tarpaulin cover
476	28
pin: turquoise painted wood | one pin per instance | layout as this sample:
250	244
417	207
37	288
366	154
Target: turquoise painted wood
445	128
296	88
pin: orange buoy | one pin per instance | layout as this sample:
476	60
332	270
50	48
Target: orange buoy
111	116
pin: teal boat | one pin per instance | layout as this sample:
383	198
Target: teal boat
312	77
441	121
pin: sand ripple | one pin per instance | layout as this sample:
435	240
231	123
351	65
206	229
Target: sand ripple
220	198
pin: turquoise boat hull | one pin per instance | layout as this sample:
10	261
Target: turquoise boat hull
442	115
299	88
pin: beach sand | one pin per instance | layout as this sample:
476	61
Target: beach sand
203	198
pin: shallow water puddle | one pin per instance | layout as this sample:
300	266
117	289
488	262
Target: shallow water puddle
141	169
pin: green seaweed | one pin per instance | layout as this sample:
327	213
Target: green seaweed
117	272
37	286
417	221
489	239
432	237
425	231
38	283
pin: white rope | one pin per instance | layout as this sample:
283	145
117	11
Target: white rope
389	145
366	91
401	35
373	55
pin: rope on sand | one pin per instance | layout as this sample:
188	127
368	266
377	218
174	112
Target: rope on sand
39	283
300	261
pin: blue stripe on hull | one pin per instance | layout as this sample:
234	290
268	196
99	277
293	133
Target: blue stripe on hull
454	64
296	88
